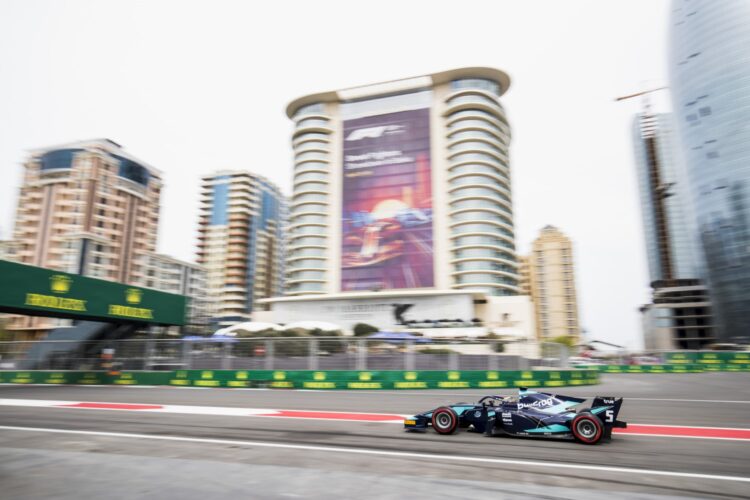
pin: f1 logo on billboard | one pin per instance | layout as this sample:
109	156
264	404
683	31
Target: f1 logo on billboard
375	132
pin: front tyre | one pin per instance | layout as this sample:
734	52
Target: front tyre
444	420
587	428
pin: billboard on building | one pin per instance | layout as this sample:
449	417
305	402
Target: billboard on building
385	313
386	231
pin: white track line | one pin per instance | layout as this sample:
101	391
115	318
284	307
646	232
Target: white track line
398	454
223	411
636	434
409	393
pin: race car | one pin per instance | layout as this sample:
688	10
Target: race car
531	413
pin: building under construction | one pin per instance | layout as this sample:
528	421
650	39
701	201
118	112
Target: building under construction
680	314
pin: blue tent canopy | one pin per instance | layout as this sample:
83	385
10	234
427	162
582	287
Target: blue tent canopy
198	338
397	337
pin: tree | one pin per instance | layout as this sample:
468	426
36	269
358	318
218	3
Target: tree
566	340
363	329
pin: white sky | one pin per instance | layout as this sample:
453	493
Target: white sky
195	86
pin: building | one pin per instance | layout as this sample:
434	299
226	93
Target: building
680	315
710	82
402	214
551	283
670	249
524	278
240	243
8	250
168	274
442	314
403	185
88	208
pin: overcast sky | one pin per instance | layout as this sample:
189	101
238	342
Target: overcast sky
195	86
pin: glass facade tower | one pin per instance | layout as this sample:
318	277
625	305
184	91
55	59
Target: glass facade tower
710	81
663	192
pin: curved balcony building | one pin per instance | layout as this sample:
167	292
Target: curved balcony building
403	185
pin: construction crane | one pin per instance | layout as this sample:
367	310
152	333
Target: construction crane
645	92
658	189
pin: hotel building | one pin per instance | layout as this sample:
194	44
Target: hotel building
240	243
403	185
88	208
550	280
402	211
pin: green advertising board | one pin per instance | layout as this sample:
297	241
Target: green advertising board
382	379
36	291
736	365
310	379
708	357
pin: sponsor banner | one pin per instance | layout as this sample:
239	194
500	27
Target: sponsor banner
677	368
680	358
708	357
722	358
141	378
318	380
43	292
386	227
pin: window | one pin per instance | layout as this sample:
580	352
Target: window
477	83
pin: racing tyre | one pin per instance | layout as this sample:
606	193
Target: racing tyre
444	420
587	428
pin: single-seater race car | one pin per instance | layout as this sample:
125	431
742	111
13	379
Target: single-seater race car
531	413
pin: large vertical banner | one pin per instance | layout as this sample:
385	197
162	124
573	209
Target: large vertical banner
387	202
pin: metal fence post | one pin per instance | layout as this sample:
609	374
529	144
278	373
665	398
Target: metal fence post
268	363
312	361
409	356
149	354
187	354
493	363
453	361
361	354
226	353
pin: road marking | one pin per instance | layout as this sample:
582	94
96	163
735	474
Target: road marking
733	401
681	431
112	406
633	429
327	415
409	393
209	410
398	454
673	431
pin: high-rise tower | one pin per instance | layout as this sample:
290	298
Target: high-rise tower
710	82
403	185
680	315
550	279
88	208
241	243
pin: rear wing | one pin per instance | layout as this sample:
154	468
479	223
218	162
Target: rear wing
607	409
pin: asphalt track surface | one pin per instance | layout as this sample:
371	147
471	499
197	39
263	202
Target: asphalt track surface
53	452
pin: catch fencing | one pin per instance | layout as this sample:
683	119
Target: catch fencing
294	353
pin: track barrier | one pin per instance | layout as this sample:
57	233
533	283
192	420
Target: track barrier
311	379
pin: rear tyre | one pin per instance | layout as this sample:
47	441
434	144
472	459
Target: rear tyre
587	428
444	420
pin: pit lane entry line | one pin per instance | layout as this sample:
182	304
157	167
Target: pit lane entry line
398	454
722	433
